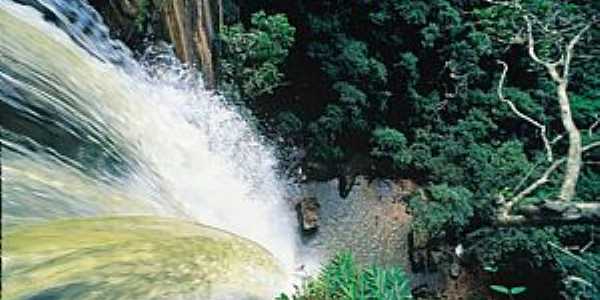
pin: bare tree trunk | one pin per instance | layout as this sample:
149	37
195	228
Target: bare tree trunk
573	166
552	211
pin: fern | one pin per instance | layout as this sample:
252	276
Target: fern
342	279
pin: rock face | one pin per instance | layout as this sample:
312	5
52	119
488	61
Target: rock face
190	25
134	257
308	214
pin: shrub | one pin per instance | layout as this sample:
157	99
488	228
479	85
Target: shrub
251	58
343	279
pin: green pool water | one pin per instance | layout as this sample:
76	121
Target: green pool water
133	257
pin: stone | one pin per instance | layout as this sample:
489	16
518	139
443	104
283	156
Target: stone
308	214
418	260
422	292
437	257
454	270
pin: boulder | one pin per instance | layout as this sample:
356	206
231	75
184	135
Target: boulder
454	270
308	214
437	257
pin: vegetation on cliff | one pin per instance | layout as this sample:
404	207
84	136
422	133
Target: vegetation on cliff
491	106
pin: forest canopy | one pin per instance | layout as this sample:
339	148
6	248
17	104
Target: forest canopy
491	107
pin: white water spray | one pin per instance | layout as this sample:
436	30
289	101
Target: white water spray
140	144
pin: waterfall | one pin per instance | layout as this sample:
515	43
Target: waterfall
88	132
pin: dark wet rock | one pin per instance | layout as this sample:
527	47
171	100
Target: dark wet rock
437	257
418	261
128	20
422	291
308	214
345	185
454	270
191	26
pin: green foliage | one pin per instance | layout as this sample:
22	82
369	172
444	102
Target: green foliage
143	14
412	86
251	58
505	22
514	249
580	280
343	279
588	188
500	289
517	290
289	124
445	211
391	144
509	291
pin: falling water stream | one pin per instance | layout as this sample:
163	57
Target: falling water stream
125	179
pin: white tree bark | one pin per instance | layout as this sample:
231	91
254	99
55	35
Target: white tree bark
563	209
573	168
573	165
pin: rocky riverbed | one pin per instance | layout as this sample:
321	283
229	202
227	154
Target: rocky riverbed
373	222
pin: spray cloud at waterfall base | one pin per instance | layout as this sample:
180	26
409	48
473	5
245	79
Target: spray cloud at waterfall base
93	140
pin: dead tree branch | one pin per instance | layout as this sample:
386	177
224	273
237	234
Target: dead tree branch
593	126
521	115
549	211
573	159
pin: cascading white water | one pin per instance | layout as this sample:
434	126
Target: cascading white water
87	131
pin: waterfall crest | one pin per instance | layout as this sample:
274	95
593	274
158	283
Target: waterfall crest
88	132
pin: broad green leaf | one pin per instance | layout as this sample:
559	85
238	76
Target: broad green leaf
490	269
500	289
517	290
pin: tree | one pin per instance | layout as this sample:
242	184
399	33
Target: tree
251	58
563	209
413	89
